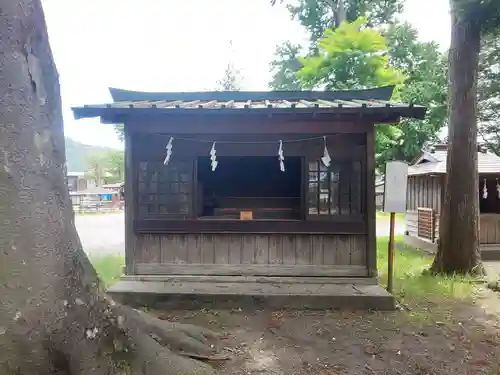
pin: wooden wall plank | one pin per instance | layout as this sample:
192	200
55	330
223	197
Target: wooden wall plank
411	220
253	249
248	249
251	269
276	249
166	243
207	249
317	249
151	248
193	248
221	249
344	250
289	249
235	248
261	249
251	125
331	249
177	249
303	250
358	250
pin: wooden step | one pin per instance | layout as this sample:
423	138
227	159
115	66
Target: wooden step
196	293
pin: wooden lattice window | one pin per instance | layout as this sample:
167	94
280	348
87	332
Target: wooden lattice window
165	190
335	190
425	223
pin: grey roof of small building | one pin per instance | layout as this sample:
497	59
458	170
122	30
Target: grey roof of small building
370	102
434	162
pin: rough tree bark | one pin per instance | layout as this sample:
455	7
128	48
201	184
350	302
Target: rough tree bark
458	248
54	317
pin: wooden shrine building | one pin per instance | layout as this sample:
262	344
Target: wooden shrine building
251	192
425	194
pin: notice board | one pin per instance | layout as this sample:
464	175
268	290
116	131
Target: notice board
395	185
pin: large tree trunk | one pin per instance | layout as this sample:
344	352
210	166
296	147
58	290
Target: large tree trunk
54	317
458	249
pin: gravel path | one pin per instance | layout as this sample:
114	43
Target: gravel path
102	234
105	234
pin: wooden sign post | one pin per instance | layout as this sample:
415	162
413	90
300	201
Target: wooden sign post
395	183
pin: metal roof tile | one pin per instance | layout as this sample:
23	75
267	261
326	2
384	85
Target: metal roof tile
372	101
486	163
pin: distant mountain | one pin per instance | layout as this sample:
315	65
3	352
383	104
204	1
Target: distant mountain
76	153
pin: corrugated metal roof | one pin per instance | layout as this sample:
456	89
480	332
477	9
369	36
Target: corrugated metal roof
487	164
373	101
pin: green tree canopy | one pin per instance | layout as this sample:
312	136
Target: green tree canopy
105	166
489	92
231	80
115	164
353	56
338	57
285	66
318	15
425	69
356	56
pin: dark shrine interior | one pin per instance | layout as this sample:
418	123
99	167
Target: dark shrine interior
253	184
490	204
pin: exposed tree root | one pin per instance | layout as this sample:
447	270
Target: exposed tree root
162	347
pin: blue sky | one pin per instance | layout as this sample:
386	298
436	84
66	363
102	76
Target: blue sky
167	45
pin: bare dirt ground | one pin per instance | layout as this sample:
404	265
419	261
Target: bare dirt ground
435	338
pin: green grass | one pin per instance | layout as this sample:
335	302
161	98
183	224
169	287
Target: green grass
410	285
400	217
109	268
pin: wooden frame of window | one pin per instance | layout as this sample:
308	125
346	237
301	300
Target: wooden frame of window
334	191
155	214
165	191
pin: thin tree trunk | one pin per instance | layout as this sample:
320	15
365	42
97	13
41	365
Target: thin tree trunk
458	248
54	317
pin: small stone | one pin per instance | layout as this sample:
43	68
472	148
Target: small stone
79	302
17	316
2	331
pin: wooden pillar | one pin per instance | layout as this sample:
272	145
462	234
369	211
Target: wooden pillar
130	194
371	240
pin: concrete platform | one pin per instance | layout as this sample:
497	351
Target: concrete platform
190	292
490	252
